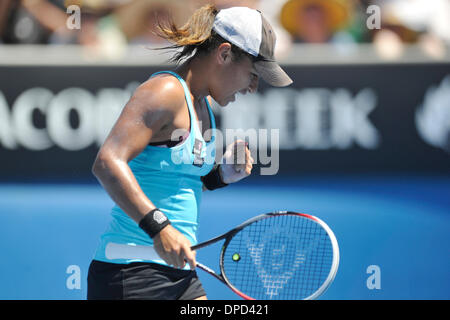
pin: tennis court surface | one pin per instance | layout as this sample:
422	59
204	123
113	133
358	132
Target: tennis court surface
393	232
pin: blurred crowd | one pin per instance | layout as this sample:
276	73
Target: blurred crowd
116	23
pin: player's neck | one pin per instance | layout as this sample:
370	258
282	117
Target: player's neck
195	73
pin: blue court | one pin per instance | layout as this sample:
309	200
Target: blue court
398	223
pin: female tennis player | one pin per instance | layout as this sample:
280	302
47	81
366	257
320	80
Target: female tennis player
159	155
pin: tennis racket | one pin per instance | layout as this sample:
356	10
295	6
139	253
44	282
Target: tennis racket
281	255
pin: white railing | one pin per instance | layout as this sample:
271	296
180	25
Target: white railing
137	55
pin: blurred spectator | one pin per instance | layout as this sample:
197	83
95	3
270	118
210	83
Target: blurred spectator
29	21
315	21
423	16
5	8
271	10
424	22
223	4
107	26
43	21
139	18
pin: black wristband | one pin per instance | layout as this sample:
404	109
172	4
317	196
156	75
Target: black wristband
153	222
213	180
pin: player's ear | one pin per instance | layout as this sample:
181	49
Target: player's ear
223	53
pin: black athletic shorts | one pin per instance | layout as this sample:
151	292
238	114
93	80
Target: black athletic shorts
141	281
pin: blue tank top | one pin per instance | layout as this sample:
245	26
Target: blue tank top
170	178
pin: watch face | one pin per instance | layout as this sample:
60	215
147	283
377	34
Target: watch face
159	217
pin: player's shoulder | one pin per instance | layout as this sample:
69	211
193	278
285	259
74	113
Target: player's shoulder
165	83
161	91
210	100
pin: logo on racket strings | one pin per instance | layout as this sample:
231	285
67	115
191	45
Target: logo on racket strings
273	268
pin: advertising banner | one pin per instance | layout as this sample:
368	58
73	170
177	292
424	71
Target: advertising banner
334	118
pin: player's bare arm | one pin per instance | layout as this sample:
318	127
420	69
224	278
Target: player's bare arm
146	117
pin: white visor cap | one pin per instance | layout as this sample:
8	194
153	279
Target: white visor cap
249	30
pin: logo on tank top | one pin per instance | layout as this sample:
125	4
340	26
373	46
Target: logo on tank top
197	151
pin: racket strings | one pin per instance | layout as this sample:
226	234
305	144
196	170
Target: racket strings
281	257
